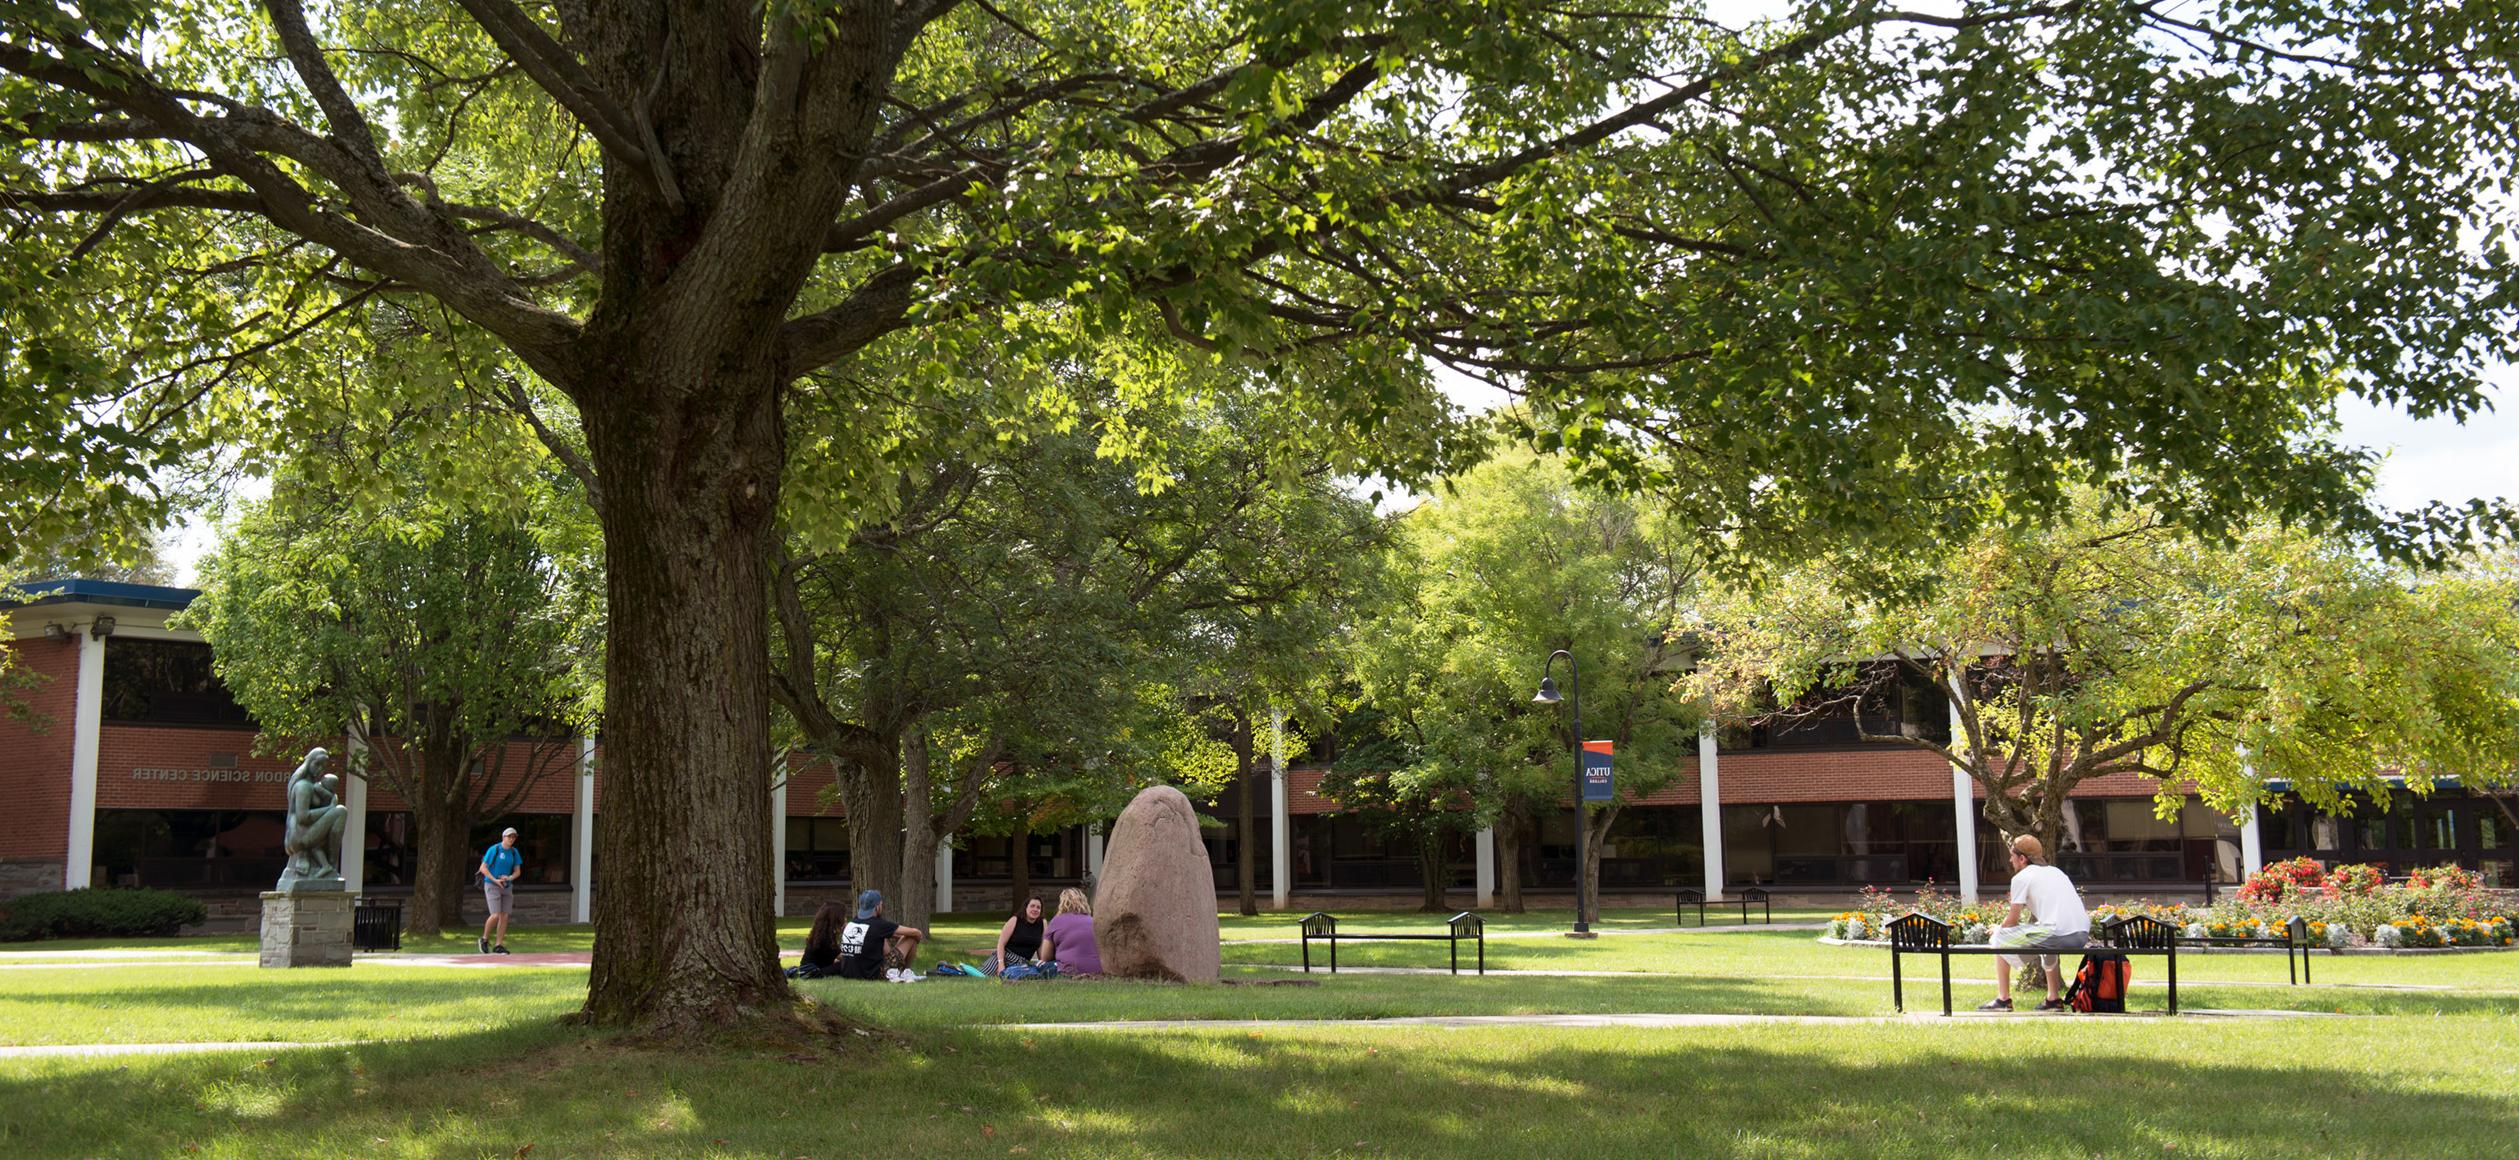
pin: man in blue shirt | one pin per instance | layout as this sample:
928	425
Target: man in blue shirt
500	866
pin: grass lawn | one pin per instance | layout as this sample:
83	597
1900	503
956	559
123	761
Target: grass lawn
433	1061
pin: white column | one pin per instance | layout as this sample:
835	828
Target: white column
1093	851
582	837
1964	805
2251	845
1486	867
944	874
78	863
1280	820
1710	807
778	839
354	829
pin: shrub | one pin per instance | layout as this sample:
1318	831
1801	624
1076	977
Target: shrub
2282	880
90	913
2357	880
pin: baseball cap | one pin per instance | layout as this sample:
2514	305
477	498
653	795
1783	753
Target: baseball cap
867	901
508	831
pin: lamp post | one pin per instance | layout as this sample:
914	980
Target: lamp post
1582	841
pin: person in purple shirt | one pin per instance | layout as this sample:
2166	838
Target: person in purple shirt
1068	939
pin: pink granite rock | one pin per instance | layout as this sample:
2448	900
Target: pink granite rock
1154	911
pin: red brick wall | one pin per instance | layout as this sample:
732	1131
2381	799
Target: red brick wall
149	767
555	792
809	775
35	762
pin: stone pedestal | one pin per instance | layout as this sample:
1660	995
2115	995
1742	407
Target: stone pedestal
306	929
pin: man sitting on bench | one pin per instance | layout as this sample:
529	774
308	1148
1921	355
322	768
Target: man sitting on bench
2057	923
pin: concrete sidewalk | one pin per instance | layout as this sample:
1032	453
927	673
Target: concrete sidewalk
1637	1019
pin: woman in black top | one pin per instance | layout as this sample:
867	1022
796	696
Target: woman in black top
1019	939
822	943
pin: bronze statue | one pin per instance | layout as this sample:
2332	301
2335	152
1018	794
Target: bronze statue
315	820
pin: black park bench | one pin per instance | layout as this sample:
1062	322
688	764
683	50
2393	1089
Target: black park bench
1462	927
1691	896
1923	934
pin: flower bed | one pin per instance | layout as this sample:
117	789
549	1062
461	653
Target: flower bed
2350	906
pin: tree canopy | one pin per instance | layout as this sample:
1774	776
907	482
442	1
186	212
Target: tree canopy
2115	644
1508	562
436	636
1809	278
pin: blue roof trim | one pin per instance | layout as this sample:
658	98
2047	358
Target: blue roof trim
113	592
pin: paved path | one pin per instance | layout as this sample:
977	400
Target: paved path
1639	1019
2190	983
1376	921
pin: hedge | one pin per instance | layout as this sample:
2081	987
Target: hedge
90	913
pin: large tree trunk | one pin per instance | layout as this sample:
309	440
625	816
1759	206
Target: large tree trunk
917	901
1434	872
443	834
871	793
1245	828
1022	870
1509	828
1597	824
689	450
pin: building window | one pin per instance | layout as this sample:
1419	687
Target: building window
543	838
817	849
167	682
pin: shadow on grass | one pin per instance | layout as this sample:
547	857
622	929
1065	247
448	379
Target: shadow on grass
235	1003
1801	1091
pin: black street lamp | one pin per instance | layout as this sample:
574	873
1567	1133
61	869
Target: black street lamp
1582	841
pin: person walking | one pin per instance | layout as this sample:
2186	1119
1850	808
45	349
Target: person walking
2057	922
500	866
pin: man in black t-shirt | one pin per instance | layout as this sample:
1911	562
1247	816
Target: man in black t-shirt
872	943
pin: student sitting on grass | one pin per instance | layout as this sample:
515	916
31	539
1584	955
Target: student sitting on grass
871	943
822	943
1068	940
2057	923
1018	941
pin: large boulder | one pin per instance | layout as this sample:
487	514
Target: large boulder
1154	913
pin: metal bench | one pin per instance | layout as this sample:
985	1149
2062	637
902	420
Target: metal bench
1923	934
1459	928
376	926
1691	896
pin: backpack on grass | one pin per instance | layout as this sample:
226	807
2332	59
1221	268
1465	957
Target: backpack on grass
2099	986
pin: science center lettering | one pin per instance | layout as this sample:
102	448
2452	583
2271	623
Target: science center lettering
269	776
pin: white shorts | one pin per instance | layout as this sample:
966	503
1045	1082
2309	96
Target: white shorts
2036	936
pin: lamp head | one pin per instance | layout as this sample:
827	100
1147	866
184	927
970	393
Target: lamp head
102	628
1547	692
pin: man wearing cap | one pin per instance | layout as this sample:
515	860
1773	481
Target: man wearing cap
500	865
872	943
2057	922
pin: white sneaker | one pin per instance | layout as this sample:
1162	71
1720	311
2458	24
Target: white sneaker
892	974
910	976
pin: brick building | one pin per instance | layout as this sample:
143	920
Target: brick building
138	769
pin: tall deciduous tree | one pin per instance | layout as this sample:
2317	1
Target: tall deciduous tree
1512	561
1791	261
991	642
2114	644
457	643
